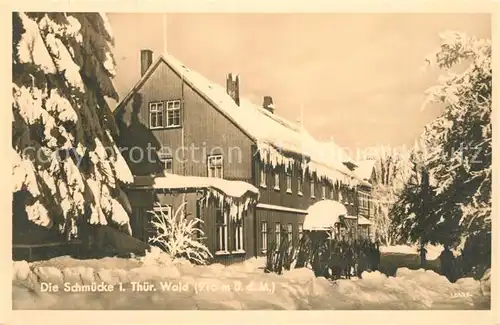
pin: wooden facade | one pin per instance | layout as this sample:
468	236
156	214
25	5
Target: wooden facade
205	127
202	128
143	202
365	204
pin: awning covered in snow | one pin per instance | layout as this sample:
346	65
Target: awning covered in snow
362	221
178	182
323	215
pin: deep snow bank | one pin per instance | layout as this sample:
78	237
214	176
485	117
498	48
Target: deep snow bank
180	285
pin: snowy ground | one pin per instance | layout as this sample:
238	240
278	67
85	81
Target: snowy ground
240	286
433	252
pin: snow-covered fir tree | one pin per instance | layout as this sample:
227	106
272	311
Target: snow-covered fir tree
413	217
457	155
391	170
66	163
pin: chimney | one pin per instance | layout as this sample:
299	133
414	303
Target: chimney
146	60
233	87
268	104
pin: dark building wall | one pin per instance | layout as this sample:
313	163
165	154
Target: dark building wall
270	218
143	202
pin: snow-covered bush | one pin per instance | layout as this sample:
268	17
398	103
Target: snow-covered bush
180	236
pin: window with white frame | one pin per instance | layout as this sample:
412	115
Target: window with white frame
289	232
166	162
277	234
299	185
313	186
301	230
221	230
263	176
276	179
263	235
323	191
156	115
215	165
288	182
238	235
165	210
173	113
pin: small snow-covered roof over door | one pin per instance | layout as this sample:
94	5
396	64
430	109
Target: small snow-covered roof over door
323	215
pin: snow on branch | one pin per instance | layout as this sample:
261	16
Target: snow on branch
31	48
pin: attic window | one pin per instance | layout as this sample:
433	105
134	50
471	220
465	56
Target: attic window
173	113
165	114
156	115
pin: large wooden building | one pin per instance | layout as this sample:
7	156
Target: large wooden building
184	136
365	170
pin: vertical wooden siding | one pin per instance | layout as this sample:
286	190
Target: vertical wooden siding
271	217
203	128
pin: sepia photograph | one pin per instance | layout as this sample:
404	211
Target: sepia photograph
251	161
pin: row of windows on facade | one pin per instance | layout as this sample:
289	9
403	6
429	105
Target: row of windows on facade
214	164
288	185
165	114
215	168
234	230
223	229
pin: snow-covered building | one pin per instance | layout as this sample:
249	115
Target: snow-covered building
365	171
205	140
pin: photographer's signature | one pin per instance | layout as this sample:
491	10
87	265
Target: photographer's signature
460	294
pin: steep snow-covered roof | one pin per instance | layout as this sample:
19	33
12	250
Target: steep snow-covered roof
274	134
365	169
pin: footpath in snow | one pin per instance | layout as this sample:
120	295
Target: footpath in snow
181	285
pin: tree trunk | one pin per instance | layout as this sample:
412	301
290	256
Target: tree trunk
422	254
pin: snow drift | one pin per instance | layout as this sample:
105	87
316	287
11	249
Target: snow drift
180	285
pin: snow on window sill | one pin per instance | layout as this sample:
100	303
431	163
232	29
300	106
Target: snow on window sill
165	127
239	251
289	191
222	253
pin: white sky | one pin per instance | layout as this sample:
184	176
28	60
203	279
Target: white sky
358	76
